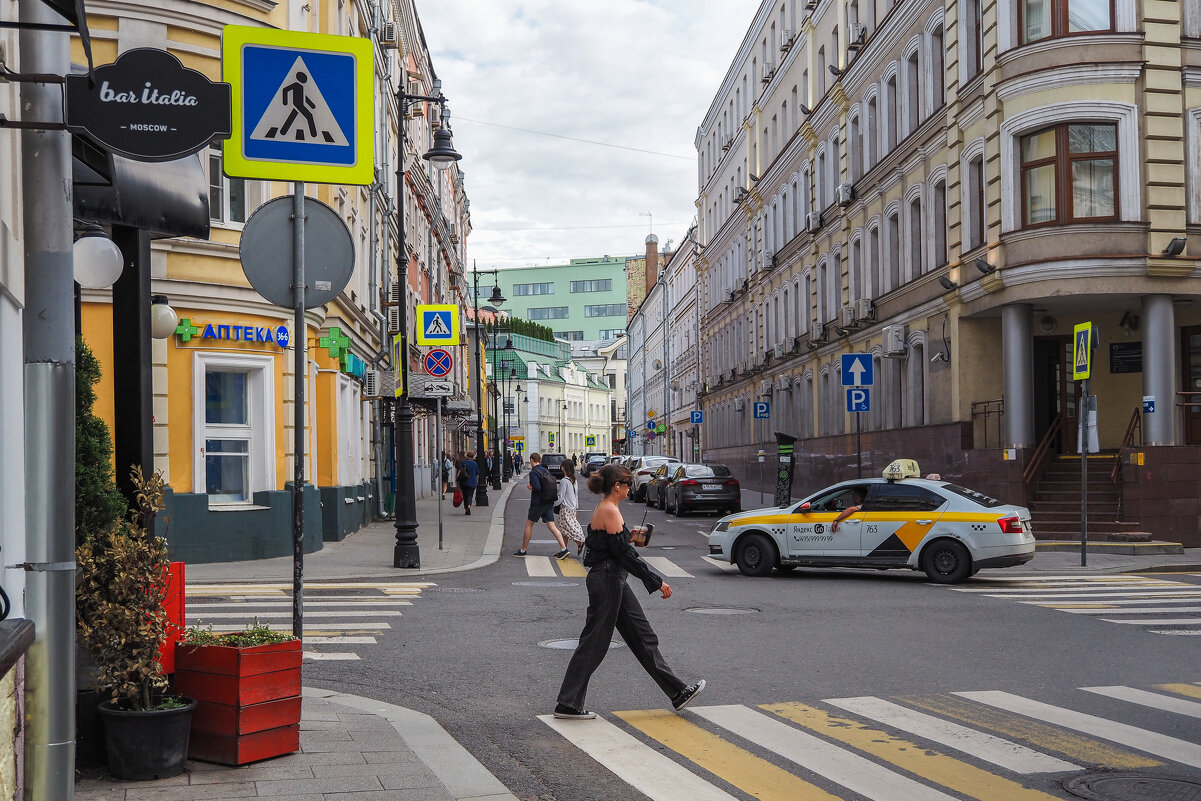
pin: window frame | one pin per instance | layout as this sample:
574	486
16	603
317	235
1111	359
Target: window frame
1060	24
215	167
260	391
1063	161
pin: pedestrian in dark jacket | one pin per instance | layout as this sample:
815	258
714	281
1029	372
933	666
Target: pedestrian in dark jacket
610	558
468	478
540	508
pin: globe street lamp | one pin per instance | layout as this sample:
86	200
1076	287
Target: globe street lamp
481	456
406	552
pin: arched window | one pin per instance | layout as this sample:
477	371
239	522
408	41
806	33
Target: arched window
894	253
916	264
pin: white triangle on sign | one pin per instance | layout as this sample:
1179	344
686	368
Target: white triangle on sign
298	112
437	326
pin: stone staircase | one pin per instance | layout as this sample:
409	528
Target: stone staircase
1055	502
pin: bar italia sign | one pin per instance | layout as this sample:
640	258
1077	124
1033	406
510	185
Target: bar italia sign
148	106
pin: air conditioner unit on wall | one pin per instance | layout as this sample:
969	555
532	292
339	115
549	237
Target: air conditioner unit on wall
778	351
813	221
817	332
786	382
765	387
785	40
394	310
810	5
371	384
769	69
894	340
865	309
739	405
858	37
846	317
845	194
389	36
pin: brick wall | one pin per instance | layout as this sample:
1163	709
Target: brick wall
1164	493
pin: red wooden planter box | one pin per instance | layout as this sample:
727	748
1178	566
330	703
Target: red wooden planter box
248	700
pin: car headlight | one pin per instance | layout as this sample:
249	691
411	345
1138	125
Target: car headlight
722	526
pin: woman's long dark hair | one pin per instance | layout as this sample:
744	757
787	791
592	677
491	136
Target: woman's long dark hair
602	481
568	469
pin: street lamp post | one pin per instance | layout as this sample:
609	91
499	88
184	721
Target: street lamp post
406	552
481	456
495	472
562	408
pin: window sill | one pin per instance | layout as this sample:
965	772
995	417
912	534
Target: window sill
236	507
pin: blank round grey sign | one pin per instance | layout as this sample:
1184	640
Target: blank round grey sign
266	252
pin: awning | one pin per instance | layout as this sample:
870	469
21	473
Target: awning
167	198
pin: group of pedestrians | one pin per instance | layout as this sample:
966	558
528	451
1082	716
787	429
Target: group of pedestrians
608	552
465	473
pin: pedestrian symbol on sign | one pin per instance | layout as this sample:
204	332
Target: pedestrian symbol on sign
297	98
438	325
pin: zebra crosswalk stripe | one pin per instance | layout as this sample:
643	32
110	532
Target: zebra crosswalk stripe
839	765
539	567
655	775
1161	745
989	748
726	566
1154	700
666	567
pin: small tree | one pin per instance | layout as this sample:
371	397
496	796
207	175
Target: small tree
119	614
98	502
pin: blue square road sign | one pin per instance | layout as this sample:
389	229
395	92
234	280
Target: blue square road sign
697	417
858	370
762	410
859	399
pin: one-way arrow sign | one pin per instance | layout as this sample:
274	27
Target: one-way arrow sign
858	370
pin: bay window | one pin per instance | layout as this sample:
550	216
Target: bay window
1044	19
1069	174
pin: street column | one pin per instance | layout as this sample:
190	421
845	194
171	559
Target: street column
1017	343
1159	369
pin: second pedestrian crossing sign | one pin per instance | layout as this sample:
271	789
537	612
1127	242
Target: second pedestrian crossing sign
303	106
438	324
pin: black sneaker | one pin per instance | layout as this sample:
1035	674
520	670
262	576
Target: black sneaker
684	696
564	712
520	553
561	554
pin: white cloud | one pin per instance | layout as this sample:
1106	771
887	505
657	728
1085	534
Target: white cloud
636	73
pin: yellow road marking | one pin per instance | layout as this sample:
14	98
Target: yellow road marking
947	771
571	568
1191	690
737	766
1043	736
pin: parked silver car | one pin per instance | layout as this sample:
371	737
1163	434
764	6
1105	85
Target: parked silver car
643	468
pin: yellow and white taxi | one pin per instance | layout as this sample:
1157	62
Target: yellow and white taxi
899	520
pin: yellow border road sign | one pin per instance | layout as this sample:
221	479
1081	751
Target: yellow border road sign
1082	351
334	107
433	327
397	339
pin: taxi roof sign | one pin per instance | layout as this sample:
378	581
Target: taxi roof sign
902	468
438	324
303	106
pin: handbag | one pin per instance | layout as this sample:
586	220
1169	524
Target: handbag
457	500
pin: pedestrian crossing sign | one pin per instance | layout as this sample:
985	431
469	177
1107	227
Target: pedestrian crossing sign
1082	351
438	324
303	107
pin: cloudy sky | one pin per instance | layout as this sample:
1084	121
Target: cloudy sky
638	74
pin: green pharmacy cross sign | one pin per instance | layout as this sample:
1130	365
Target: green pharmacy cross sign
185	330
336	343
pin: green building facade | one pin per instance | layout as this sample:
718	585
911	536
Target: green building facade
580	301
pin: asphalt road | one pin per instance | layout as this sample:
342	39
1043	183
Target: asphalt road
469	654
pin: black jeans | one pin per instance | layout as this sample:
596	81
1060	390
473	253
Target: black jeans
612	604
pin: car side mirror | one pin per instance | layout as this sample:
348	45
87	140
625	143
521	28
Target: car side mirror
804	507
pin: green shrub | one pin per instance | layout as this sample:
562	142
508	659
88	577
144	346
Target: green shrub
98	502
254	634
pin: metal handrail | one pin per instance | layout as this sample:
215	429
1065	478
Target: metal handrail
1188	398
1044	445
987	408
1135	424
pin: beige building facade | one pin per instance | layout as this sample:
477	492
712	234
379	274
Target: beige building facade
950	188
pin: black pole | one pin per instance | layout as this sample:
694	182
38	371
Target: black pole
133	432
406	552
481	459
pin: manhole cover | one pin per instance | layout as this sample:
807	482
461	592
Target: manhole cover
1133	787
570	644
721	610
546	584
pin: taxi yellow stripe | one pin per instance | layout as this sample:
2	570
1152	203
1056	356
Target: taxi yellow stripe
737	766
1077	747
766	520
571	568
1190	690
947	771
911	534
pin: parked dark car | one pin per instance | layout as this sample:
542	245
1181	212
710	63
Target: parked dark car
653	489
554	463
593	461
702	486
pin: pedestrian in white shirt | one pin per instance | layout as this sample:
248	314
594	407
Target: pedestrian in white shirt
568	506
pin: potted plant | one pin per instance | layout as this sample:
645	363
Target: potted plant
247	687
119	602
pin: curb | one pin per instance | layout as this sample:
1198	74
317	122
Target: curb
461	773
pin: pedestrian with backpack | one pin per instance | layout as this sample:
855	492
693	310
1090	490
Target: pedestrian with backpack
543	494
468	478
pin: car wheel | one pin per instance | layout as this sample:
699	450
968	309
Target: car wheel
681	510
662	501
756	555
640	494
946	562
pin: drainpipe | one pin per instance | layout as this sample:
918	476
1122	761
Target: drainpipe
49	366
379	290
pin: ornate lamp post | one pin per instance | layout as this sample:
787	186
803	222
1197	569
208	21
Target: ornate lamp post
406	552
481	455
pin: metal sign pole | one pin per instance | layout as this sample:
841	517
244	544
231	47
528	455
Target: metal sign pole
859	442
441	461
1082	413
300	361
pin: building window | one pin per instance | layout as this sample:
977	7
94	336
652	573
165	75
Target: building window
548	313
975	198
916	265
227	196
570	336
1069	174
232	418
894	251
1042	19
350	432
940	223
973	39
595	285
612	333
547	288
606	310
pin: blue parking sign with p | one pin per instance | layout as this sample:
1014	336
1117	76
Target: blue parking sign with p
697	417
859	399
762	410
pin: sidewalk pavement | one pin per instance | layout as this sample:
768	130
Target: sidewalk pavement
360	749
